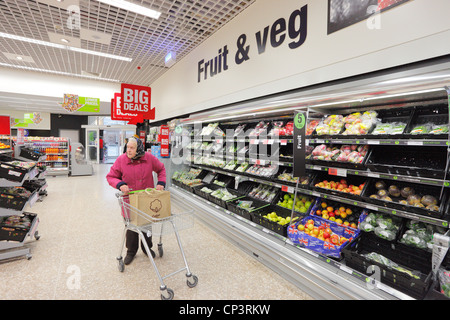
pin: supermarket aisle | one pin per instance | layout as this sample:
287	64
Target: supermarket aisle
81	227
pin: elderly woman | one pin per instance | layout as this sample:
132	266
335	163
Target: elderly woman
133	170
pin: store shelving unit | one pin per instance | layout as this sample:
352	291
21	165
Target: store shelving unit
260	241
56	150
12	238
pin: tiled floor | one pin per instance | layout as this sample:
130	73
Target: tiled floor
75	258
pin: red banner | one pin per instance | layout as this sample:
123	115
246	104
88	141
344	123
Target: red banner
117	112
164	138
5	125
137	99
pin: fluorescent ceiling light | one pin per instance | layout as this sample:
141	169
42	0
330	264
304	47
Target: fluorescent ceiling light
56	72
133	8
61	46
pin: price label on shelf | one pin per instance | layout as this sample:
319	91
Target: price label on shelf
283	142
414	143
287	189
337	172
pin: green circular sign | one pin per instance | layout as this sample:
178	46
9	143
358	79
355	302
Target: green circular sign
299	120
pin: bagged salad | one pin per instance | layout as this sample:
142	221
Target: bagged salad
384	226
420	235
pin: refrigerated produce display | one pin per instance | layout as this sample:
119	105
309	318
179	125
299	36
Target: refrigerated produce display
376	192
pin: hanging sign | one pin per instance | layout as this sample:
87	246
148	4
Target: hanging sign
299	144
137	99
117	112
73	103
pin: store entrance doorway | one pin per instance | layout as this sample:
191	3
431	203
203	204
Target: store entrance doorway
107	142
112	145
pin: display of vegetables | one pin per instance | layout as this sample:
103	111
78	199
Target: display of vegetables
373	256
223	194
444	281
16	221
405	196
389	128
16	191
384	226
262	171
264	192
420	235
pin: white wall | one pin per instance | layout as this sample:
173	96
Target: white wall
49	85
414	31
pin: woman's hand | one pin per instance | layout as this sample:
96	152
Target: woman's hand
159	187
125	190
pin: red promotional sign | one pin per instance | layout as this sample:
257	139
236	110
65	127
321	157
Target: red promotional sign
164	138
5	125
117	112
137	99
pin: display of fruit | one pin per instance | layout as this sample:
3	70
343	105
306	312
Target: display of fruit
337	213
260	128
405	196
341	186
302	202
312	124
321	233
346	153
280	129
17	191
274	217
359	124
331	125
4	146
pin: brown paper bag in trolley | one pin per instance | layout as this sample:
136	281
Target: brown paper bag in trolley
152	202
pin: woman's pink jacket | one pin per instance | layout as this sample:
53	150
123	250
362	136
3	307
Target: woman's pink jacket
137	174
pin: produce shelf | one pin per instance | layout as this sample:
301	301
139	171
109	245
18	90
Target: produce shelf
320	276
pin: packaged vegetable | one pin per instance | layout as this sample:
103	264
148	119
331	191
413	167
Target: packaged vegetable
444	281
421	129
439	129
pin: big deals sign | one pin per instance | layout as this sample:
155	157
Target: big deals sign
133	104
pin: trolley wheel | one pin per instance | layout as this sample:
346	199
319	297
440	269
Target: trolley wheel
29	256
160	250
121	265
37	236
193	283
170	297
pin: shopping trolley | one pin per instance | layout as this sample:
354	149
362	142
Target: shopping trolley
157	227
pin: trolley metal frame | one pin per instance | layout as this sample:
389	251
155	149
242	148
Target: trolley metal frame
155	227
